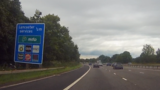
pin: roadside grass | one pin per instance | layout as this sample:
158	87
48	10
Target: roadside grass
19	77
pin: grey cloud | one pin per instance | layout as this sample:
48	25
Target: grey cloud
105	26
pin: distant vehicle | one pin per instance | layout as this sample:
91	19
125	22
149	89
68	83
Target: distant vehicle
108	64
113	64
129	63
96	65
90	63
100	64
118	66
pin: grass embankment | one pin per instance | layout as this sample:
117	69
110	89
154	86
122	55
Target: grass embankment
19	77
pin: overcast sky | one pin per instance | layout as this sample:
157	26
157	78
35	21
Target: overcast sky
105	27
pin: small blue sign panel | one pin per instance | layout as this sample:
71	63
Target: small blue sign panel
29	43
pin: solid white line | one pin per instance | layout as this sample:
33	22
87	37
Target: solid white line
32	80
68	87
25	82
124	79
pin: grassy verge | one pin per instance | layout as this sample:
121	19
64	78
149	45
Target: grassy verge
19	77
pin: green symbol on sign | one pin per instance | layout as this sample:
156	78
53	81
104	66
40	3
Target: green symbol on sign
29	39
24	39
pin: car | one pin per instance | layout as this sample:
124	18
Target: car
100	64
118	66
96	65
90	63
108	64
113	64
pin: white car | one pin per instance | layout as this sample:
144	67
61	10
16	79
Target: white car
100	64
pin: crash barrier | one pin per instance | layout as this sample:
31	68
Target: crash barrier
145	66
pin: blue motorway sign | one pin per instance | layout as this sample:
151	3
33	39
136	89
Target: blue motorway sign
29	43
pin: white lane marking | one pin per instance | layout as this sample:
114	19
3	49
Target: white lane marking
124	79
129	70
141	72
114	73
68	87
32	80
25	82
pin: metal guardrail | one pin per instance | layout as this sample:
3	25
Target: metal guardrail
27	70
145	66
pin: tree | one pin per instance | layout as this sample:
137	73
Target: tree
104	59
58	43
114	57
148	50
147	55
11	14
101	57
37	17
126	57
158	55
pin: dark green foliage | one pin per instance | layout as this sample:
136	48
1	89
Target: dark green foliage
124	57
114	58
147	55
10	15
58	44
158	55
104	59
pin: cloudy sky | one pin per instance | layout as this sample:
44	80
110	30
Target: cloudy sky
105	27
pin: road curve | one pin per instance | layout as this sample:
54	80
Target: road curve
103	78
58	82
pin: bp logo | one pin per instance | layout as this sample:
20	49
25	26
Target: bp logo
24	39
20	48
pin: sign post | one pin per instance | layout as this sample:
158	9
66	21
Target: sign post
29	43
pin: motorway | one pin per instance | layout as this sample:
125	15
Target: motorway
103	78
106	78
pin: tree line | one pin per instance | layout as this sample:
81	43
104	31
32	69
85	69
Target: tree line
58	44
148	55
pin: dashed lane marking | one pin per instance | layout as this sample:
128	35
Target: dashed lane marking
124	79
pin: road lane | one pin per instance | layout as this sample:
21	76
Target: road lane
102	79
147	79
58	82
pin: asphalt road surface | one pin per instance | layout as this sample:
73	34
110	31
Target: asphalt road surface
58	82
103	78
107	78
